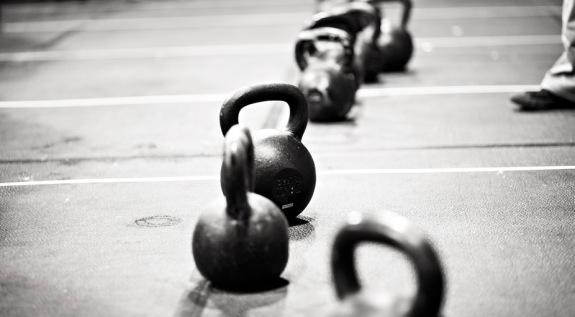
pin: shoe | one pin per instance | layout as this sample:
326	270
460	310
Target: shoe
540	100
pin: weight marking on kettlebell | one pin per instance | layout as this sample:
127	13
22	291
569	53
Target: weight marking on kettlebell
288	191
158	221
286	181
287	206
288	185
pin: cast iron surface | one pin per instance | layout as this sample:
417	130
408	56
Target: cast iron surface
284	168
395	45
395	231
241	240
362	22
326	81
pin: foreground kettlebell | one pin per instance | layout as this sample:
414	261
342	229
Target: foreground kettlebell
397	232
395	43
284	168
327	80
240	240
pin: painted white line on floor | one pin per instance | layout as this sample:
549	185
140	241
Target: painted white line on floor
149	52
119	101
169	5
443	90
447	170
484	12
109	7
112	180
208	21
218	98
328	172
268	19
426	44
485	41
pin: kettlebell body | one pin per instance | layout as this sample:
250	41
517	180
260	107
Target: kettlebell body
396	49
337	19
240	240
284	168
369	29
330	93
397	232
327	80
395	45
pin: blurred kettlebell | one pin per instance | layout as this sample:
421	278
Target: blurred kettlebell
326	81
397	232
369	29
284	168
345	23
395	43
240	240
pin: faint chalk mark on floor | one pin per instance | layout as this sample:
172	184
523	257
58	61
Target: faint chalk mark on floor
158	221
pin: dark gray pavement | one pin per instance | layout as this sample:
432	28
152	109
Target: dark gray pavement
98	203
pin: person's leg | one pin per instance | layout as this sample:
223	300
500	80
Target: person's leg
558	85
560	79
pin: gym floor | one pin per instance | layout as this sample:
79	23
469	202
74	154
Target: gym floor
111	148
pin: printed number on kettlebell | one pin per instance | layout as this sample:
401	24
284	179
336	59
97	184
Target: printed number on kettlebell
287	186
288	191
287	181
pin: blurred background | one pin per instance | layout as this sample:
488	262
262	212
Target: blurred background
109	115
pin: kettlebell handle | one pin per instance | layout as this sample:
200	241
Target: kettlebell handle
407	4
365	9
238	171
335	20
325	33
397	232
297	123
406	10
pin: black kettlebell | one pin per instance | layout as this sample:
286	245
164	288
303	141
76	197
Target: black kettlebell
369	23
327	80
240	240
348	24
284	168
395	43
397	232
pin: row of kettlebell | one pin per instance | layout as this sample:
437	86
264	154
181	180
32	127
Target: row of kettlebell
344	46
241	240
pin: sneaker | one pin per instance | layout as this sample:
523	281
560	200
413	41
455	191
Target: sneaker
540	100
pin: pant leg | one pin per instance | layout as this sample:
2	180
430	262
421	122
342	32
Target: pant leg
560	79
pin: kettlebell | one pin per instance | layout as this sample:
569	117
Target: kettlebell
369	23
240	240
395	43
395	231
327	80
345	23
284	168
